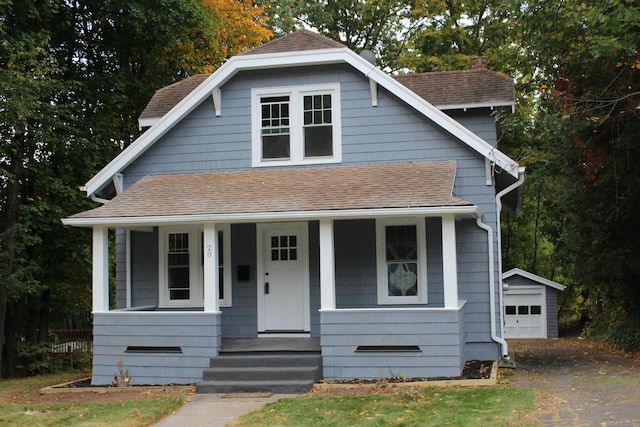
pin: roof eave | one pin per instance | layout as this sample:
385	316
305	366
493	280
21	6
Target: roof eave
471	106
467	211
533	277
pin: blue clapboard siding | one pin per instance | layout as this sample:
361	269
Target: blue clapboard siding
144	268
436	332
241	319
197	335
390	132
355	263
314	277
482	122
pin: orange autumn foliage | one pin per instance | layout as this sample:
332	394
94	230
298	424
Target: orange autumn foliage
241	25
233	26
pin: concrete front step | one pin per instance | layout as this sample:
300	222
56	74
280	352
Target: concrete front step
257	372
260	359
304	373
280	387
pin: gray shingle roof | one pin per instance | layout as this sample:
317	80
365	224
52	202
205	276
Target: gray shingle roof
457	89
169	96
299	41
373	186
449	89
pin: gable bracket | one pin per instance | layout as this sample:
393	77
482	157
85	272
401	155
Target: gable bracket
217	103
373	86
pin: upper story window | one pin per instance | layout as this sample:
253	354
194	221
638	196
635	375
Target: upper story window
296	125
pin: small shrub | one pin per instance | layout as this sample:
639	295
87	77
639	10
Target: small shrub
38	359
626	338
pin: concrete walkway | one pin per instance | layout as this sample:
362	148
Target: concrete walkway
217	410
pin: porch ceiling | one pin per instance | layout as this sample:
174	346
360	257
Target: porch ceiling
276	192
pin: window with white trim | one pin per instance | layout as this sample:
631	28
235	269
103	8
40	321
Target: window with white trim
182	267
402	262
296	125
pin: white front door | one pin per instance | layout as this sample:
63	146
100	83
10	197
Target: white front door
283	278
524	313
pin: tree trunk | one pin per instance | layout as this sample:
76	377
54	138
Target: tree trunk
3	315
43	326
10	345
32	322
13	188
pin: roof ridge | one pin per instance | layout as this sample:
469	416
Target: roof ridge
296	41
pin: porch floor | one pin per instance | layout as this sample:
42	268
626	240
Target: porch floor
269	345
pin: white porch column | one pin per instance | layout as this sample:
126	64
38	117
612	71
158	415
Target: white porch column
327	266
100	269
211	264
449	261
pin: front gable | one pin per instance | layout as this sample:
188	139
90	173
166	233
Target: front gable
215	95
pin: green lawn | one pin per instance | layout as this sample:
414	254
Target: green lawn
482	406
20	405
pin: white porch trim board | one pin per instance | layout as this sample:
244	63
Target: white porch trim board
210	244
100	282
327	266
449	261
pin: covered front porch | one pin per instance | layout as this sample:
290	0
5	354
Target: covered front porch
374	279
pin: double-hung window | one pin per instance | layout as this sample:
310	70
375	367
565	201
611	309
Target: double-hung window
182	267
402	261
296	125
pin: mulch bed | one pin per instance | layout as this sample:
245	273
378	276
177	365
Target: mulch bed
473	370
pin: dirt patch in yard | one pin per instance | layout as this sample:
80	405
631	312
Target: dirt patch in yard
98	395
475	373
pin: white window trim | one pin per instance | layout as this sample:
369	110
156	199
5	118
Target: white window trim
383	294
295	94
226	263
196	269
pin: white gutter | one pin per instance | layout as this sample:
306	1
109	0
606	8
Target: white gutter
468	211
492	281
98	199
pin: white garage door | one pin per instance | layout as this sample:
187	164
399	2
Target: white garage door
524	313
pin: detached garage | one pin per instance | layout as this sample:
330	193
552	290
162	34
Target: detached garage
530	305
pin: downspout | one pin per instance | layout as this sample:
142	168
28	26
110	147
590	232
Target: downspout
492	291
492	285
117	183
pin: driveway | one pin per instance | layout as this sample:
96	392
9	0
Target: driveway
578	383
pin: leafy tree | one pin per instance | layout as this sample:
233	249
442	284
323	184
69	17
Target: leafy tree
27	121
594	89
381	26
74	76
